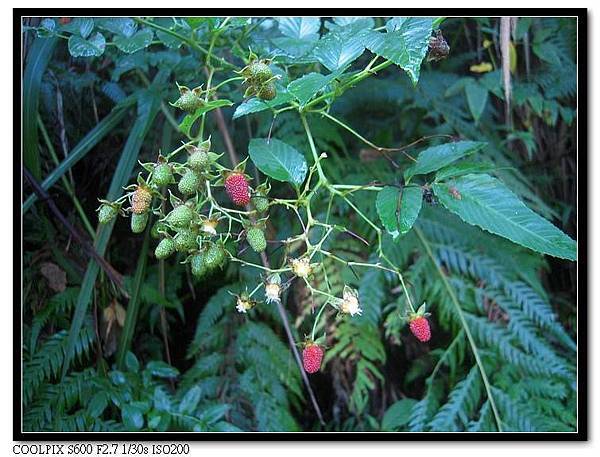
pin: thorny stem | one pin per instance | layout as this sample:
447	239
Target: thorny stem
463	321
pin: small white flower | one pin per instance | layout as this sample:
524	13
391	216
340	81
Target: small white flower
243	305
350	304
210	226
272	292
301	267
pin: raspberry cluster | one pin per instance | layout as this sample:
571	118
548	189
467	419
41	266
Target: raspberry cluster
181	196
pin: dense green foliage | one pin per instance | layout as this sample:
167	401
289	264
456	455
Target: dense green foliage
398	168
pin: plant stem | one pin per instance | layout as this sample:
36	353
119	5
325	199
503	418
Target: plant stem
91	250
362	138
227	81
265	261
313	149
356	79
314	327
161	291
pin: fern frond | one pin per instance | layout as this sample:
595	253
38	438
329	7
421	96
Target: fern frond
461	405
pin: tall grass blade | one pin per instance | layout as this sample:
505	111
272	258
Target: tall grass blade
39	55
134	301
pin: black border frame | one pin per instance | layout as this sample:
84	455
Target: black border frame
582	233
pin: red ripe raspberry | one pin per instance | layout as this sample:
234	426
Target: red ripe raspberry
419	327
237	188
312	356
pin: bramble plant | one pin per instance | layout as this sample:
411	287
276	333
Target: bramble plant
407	244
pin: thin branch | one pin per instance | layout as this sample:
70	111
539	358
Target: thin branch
114	276
222	126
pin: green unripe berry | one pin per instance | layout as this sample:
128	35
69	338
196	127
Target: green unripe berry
189	101
139	222
162	174
267	91
256	239
215	257
165	248
180	217
199	160
106	213
185	241
261	203
198	264
189	183
258	72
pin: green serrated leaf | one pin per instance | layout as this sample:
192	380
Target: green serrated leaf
463	168
303	28
338	50
86	26
169	40
137	41
361	21
395	23
305	88
482	200
80	47
477	96
436	157
386	205
410	206
406	45
278	160
256	105
121	25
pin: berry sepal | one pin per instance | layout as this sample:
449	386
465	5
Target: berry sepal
418	324
189	99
